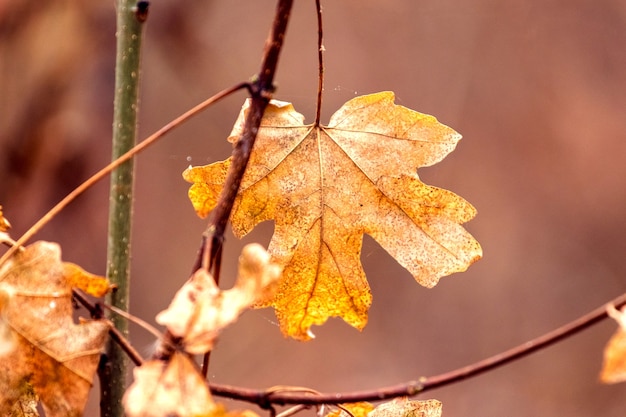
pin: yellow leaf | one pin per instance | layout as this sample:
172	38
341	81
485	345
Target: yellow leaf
614	367
92	284
200	310
326	186
54	355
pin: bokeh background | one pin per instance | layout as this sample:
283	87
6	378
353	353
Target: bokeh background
536	87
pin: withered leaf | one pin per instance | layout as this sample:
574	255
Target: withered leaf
168	388
614	366
54	355
325	186
200	310
173	387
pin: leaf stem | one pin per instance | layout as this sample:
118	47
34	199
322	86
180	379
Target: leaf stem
320	60
268	398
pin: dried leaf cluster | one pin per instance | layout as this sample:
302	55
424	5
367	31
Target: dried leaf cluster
197	314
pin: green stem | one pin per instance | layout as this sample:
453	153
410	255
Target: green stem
131	15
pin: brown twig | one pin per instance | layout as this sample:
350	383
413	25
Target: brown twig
96	312
261	90
268	398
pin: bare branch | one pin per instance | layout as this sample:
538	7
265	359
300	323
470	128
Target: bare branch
272	397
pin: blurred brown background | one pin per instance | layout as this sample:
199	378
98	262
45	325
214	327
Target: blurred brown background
537	88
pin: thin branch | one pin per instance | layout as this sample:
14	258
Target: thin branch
210	253
261	91
96	312
150	140
271	397
129	28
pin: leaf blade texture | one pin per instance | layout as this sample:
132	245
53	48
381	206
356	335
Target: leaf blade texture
326	186
54	355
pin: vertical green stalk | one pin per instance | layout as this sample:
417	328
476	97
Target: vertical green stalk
131	14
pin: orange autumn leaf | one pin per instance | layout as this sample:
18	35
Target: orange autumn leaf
326	186
92	284
614	366
51	354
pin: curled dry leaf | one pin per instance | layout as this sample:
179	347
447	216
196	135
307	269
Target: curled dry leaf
326	186
200	310
614	367
168	388
54	355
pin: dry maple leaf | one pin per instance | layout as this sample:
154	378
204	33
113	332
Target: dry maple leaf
325	186
200	310
614	366
54	355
